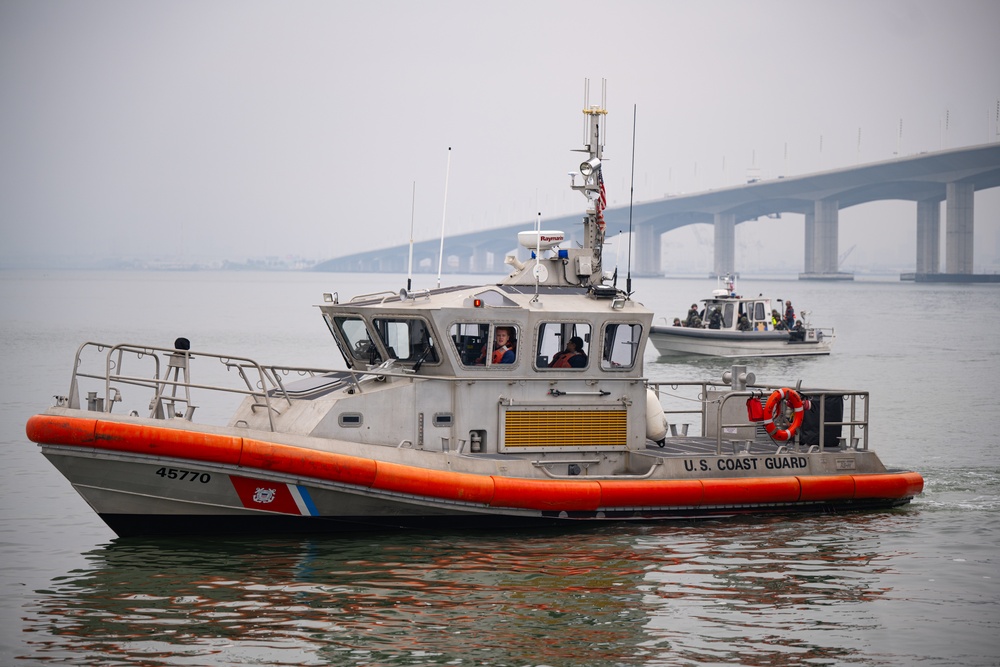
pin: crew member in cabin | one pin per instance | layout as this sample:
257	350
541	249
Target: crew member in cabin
744	323
504	347
715	319
789	315
572	356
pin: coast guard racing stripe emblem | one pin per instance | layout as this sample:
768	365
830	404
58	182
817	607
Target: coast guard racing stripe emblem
258	494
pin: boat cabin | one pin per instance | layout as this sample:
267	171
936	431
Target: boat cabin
757	310
451	332
559	366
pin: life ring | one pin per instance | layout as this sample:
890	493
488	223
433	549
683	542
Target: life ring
771	411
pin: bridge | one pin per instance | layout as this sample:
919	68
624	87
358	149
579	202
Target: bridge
950	176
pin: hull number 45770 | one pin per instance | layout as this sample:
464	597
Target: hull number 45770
182	475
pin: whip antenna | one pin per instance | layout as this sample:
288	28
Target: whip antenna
413	208
538	251
443	215
631	192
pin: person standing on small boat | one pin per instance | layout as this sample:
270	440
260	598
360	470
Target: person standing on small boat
789	315
504	344
692	316
572	356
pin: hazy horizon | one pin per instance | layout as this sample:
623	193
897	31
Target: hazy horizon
243	130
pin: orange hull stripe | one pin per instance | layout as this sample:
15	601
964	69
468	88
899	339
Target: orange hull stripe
56	430
546	494
433	483
829	487
891	485
156	441
307	463
639	493
751	490
494	491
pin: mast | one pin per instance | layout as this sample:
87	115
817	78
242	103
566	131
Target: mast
582	266
593	189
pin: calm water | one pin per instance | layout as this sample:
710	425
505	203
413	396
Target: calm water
919	585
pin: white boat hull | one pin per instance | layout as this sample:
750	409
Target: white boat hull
682	341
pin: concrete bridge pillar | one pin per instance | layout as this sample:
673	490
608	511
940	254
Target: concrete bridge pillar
725	244
826	236
929	236
479	260
809	251
958	231
647	252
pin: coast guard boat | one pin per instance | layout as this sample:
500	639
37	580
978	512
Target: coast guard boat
521	403
717	330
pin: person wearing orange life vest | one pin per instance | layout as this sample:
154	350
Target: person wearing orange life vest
571	357
504	345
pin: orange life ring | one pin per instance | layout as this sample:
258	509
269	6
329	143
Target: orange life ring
771	411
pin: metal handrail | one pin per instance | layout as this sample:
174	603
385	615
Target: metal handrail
855	422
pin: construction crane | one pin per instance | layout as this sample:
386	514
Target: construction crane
844	255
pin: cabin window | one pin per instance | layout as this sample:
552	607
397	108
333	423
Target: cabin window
553	340
483	344
406	339
727	316
359	342
621	346
759	314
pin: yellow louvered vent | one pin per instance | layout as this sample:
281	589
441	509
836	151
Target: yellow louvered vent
565	428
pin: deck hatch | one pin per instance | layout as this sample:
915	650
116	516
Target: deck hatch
539	429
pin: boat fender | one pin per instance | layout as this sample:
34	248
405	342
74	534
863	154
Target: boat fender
656	421
771	411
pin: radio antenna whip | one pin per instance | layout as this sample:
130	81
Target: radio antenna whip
409	270
631	192
443	216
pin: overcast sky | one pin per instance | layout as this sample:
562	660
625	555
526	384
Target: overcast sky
248	129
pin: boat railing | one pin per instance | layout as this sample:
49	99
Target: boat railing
713	410
165	374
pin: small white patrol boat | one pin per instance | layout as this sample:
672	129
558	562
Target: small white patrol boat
521	403
734	326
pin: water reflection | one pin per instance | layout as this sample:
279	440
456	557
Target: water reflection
776	591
